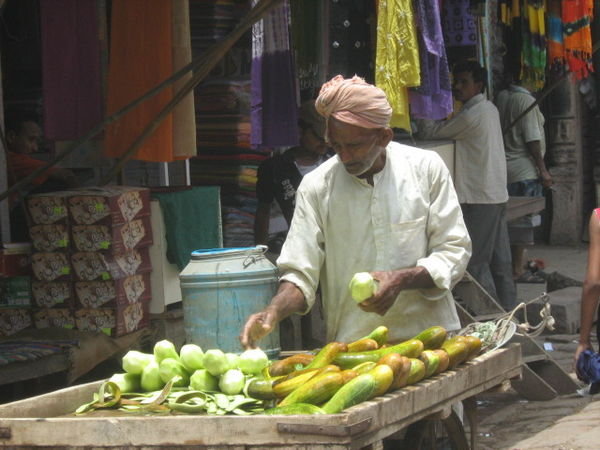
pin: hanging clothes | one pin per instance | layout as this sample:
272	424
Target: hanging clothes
307	42
433	98
533	70
576	18
556	46
397	63
458	23
350	38
274	107
141	57
510	13
71	76
525	37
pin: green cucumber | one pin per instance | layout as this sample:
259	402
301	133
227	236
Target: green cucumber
432	337
411	349
355	391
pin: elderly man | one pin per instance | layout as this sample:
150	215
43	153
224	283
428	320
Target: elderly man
377	206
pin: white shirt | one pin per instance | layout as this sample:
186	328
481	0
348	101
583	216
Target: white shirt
511	103
343	225
480	164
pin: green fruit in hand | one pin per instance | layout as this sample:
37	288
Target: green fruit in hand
362	286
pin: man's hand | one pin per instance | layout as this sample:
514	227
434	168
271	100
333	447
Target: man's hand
384	297
580	348
391	283
257	327
546	178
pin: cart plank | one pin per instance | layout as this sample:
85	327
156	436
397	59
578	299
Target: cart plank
36	421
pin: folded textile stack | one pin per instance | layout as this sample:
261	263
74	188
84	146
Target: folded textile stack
235	172
222	106
212	20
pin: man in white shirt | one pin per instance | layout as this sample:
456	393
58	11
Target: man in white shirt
480	168
379	207
527	175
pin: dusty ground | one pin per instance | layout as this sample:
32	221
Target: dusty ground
507	421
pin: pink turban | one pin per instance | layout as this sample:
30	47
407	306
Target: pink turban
354	101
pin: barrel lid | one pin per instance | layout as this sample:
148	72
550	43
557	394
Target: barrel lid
214	253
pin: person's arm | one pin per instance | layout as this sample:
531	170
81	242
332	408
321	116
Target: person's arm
288	300
455	128
391	283
591	287
535	150
261	223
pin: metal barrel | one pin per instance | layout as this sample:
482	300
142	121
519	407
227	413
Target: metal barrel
220	288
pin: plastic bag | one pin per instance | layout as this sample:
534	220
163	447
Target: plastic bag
588	369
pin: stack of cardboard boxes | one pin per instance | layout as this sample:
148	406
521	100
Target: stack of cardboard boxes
91	265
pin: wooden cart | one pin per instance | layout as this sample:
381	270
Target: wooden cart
46	421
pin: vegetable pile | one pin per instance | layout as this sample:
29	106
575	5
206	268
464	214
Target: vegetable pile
327	381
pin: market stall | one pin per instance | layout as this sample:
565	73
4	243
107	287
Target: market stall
48	420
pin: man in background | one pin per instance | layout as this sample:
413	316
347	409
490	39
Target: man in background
23	137
527	175
481	179
280	175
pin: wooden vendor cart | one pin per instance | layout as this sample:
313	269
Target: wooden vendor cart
47	420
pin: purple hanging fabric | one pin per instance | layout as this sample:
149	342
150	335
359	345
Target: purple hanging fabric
72	87
274	107
458	23
433	98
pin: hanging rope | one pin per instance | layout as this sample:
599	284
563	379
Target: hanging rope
495	333
525	327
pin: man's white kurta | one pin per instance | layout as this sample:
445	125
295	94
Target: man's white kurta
343	225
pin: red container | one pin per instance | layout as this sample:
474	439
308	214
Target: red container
15	259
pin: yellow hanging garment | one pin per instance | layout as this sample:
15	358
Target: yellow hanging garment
397	58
